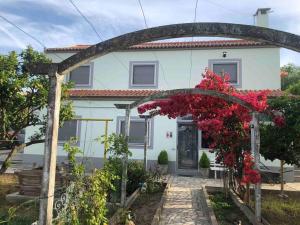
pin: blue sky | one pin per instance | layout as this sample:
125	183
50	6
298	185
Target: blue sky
56	23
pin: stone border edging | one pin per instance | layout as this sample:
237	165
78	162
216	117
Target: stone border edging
246	210
157	215
240	204
210	211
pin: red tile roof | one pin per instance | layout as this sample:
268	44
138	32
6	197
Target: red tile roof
134	93
177	44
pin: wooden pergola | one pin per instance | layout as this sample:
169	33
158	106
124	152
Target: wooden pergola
56	72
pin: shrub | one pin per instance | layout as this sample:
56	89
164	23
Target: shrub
163	157
86	195
136	175
204	161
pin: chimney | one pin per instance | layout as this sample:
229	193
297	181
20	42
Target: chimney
261	17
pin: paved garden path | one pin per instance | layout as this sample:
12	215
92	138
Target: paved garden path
185	203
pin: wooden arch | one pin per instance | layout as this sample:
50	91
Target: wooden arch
122	42
191	91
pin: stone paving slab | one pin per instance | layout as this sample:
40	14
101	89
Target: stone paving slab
185	204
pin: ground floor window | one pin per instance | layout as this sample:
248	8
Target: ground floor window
70	129
137	131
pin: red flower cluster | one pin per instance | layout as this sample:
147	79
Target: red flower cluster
279	121
250	175
229	159
225	123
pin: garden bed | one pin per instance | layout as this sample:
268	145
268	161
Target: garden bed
224	209
145	206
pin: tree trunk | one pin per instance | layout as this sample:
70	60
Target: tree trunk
281	177
225	182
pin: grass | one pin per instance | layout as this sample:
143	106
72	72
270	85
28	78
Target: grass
281	211
226	211
14	214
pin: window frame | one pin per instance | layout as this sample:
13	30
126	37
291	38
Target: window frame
91	75
138	119
211	63
141	63
78	132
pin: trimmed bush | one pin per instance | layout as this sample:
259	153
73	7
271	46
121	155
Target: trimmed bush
163	158
204	161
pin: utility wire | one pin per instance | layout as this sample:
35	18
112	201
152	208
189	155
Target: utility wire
96	32
26	33
191	53
146	26
228	9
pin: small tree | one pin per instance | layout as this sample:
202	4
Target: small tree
280	139
23	96
290	74
163	158
204	161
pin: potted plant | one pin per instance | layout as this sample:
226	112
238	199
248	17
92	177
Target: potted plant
204	165
163	162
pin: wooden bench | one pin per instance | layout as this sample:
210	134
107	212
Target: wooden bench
216	167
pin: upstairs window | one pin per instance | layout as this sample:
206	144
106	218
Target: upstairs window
81	76
143	74
136	132
70	129
227	67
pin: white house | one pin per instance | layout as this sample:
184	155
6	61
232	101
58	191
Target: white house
125	76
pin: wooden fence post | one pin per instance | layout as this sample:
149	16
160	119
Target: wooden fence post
50	149
125	158
145	143
255	145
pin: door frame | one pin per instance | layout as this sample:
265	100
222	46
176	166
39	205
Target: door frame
183	121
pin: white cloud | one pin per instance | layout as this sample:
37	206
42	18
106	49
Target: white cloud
116	17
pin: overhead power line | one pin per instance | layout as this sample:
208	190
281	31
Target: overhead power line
28	34
100	36
146	26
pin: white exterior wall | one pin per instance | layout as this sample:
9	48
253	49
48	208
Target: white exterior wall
260	70
260	67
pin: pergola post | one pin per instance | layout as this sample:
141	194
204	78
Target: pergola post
146	135
125	158
50	149
255	145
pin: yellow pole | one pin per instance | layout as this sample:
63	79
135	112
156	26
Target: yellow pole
105	140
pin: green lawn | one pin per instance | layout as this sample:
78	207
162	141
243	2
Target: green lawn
24	214
281	211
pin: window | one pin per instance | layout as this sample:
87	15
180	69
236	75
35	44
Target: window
143	74
81	76
227	67
136	132
70	129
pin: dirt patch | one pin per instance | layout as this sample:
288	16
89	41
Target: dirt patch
144	207
14	213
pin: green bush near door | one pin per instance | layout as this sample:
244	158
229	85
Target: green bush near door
163	161
163	158
204	161
204	165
